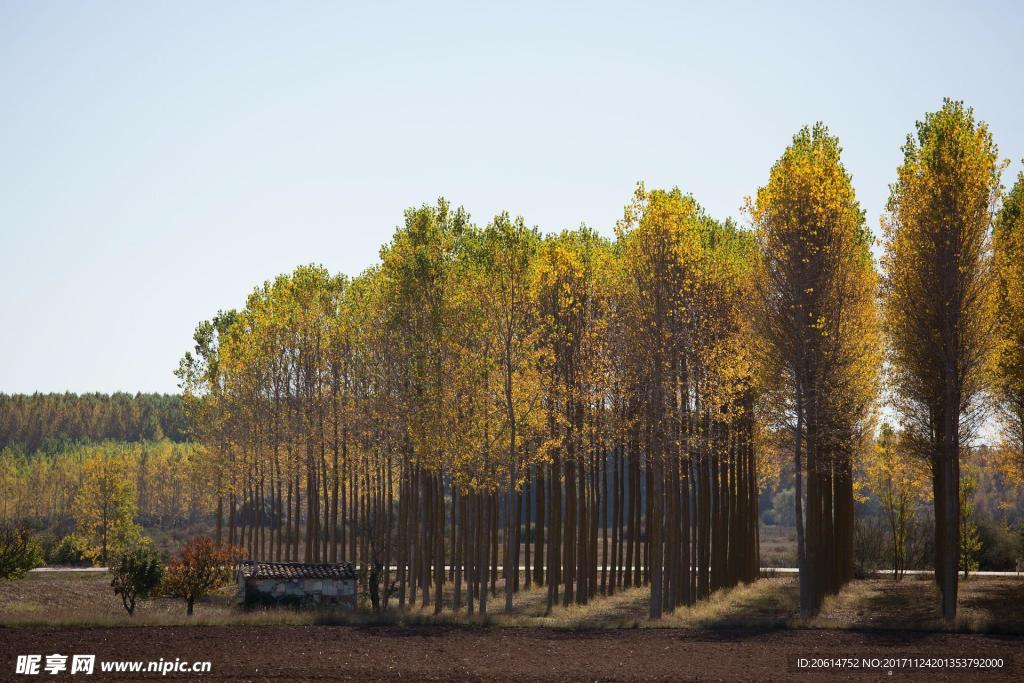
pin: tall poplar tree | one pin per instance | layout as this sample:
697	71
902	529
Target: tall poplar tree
1009	361
814	313
938	293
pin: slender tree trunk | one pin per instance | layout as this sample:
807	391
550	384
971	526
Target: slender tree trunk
805	585
542	521
527	498
951	495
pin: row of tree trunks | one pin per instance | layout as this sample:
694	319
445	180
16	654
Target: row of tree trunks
605	515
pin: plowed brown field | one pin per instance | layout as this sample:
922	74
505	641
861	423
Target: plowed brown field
438	653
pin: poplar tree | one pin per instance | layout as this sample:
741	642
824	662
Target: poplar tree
508	251
814	314
417	276
1009	359
661	249
938	302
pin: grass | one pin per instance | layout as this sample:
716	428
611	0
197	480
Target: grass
86	599
777	546
987	605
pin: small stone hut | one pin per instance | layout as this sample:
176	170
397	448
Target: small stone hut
296	584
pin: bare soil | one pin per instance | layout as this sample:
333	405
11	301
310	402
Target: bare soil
752	632
436	653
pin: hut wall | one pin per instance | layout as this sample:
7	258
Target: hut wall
300	592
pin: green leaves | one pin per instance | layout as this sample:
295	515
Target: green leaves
19	552
137	574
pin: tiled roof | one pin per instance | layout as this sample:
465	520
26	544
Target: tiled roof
296	570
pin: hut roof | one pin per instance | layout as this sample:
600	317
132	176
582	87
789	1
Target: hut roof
296	570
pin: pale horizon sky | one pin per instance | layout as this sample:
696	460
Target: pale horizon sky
159	160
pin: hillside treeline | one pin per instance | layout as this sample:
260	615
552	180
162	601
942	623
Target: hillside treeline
52	421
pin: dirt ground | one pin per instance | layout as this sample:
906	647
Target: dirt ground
285	653
751	632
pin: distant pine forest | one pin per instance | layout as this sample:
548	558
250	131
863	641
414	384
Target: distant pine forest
51	422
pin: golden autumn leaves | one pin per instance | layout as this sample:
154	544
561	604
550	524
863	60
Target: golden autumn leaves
814	315
438	392
939	295
947	319
1008	359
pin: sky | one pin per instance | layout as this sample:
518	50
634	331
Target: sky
160	160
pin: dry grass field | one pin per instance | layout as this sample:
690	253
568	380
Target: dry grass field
777	546
987	605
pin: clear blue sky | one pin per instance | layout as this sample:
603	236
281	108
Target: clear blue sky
158	160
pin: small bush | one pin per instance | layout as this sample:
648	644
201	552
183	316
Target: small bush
19	552
921	540
870	546
137	575
69	551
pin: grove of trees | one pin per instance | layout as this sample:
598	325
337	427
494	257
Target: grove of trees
168	484
598	412
582	414
490	398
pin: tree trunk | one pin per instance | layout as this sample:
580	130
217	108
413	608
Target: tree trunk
805	597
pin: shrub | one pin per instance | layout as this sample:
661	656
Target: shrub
19	552
371	575
921	540
202	566
69	551
871	549
137	575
